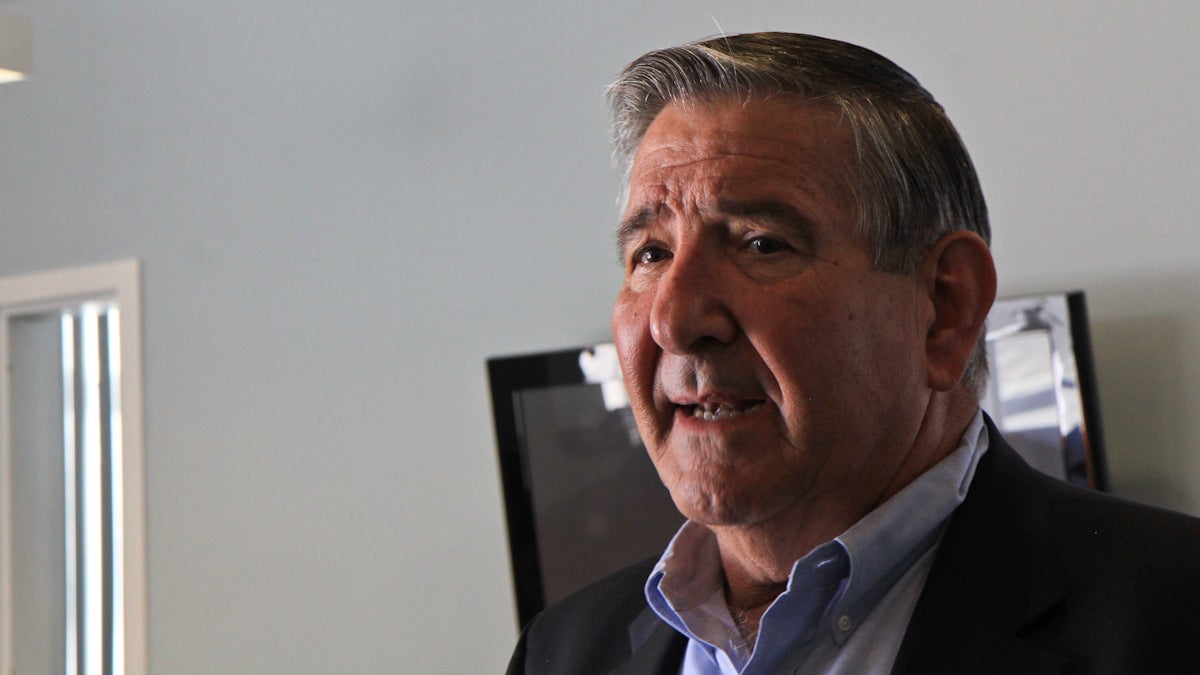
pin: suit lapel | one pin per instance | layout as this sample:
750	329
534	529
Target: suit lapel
996	571
655	647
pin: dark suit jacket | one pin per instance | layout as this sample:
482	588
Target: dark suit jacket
1033	576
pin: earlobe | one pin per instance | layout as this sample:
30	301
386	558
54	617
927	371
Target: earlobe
961	281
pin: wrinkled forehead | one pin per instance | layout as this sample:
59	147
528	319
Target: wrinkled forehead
727	144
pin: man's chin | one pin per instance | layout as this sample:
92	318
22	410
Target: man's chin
724	508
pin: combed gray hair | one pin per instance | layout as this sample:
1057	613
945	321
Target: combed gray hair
912	181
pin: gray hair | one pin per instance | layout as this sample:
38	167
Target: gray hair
912	182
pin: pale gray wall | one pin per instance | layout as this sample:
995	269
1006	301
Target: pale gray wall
344	207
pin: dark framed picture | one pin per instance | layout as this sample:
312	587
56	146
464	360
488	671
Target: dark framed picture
581	497
1042	390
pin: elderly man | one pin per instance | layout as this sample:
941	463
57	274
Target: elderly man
807	276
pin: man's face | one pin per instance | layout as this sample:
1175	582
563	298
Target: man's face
772	370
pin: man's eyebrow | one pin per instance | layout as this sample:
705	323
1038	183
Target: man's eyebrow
632	226
773	212
769	211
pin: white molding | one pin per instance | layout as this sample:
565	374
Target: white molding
32	293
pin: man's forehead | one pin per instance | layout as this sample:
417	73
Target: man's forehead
702	153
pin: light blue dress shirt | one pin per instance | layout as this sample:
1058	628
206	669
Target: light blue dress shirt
847	603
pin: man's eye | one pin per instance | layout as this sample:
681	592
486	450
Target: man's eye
765	245
648	255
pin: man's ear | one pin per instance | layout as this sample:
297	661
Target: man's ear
960	278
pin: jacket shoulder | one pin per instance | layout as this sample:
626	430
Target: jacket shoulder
1058	574
589	631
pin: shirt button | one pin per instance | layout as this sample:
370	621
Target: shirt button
844	623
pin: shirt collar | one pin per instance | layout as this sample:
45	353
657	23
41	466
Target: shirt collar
888	540
688	581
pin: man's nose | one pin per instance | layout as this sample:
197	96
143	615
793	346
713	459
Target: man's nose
691	311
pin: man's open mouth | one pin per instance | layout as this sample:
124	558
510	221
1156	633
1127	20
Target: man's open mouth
717	411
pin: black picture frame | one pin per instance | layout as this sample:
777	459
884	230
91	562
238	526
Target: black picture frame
581	496
1042	393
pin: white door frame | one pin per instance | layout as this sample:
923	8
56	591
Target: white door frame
31	293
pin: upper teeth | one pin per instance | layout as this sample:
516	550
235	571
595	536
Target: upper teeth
721	411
